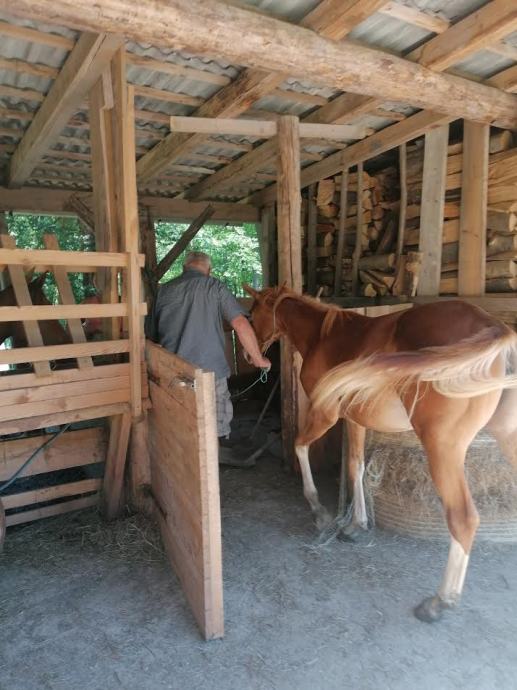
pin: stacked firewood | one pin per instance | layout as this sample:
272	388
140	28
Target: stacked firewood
374	227
501	266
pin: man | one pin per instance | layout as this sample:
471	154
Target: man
188	319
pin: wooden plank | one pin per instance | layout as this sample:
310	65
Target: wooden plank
24	33
403	200
55	418
50	493
167	96
335	19
505	80
71	449
23	299
477	31
184	476
65	311
70	259
431	213
112	489
262	129
312	221
61	390
19	381
473	213
21	355
85	63
343	212
127	214
65	404
356	257
49	511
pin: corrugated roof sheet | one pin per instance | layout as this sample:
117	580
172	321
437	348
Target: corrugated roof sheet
379	30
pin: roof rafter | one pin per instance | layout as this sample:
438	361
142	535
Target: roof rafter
84	65
331	18
349	106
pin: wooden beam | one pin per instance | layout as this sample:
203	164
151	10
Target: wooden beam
431	213
56	202
64	311
289	264
343	210
210	26
84	65
477	31
183	242
411	15
358	230
46	354
505	80
333	19
29	258
473	213
262	129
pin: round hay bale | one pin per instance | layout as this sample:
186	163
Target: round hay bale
402	497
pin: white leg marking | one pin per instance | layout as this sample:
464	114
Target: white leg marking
360	517
454	576
309	489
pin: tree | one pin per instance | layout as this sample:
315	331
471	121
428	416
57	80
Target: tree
234	250
28	231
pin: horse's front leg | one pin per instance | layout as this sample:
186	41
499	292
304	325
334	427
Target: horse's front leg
316	425
356	438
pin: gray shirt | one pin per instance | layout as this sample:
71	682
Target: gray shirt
188	318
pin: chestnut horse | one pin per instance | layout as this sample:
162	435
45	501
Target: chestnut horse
52	331
438	368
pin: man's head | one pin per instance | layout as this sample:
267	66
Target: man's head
199	261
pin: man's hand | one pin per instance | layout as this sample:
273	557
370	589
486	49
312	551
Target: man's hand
248	340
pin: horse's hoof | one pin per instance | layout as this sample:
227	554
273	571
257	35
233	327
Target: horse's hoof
350	537
323	519
430	610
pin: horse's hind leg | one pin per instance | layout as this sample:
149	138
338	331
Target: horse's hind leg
316	425
446	462
503	425
356	437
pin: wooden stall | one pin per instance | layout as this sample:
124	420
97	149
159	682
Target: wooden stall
123	114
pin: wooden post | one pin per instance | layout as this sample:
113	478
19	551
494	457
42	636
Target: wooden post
103	186
343	200
289	264
358	231
123	119
263	231
113	483
312	220
473	213
431	214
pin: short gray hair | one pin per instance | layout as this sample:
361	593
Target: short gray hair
197	258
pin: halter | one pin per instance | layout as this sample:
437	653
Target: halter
274	334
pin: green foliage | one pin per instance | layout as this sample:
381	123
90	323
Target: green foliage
234	250
28	230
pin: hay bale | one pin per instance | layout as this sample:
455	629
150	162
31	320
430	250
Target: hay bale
402	497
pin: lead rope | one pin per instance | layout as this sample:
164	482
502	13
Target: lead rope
261	379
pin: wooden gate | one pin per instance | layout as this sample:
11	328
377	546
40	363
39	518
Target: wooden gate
185	480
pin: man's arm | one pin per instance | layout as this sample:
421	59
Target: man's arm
248	340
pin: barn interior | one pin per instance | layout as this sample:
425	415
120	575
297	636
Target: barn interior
372	144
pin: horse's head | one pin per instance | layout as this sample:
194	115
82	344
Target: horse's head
263	314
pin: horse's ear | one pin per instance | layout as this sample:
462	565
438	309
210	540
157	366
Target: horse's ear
251	291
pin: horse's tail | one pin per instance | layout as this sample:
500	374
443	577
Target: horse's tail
462	370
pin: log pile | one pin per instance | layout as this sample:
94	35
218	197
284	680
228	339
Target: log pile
373	225
501	267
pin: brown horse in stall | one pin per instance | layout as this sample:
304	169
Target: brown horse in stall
439	369
52	331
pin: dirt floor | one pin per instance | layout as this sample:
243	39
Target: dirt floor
86	607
